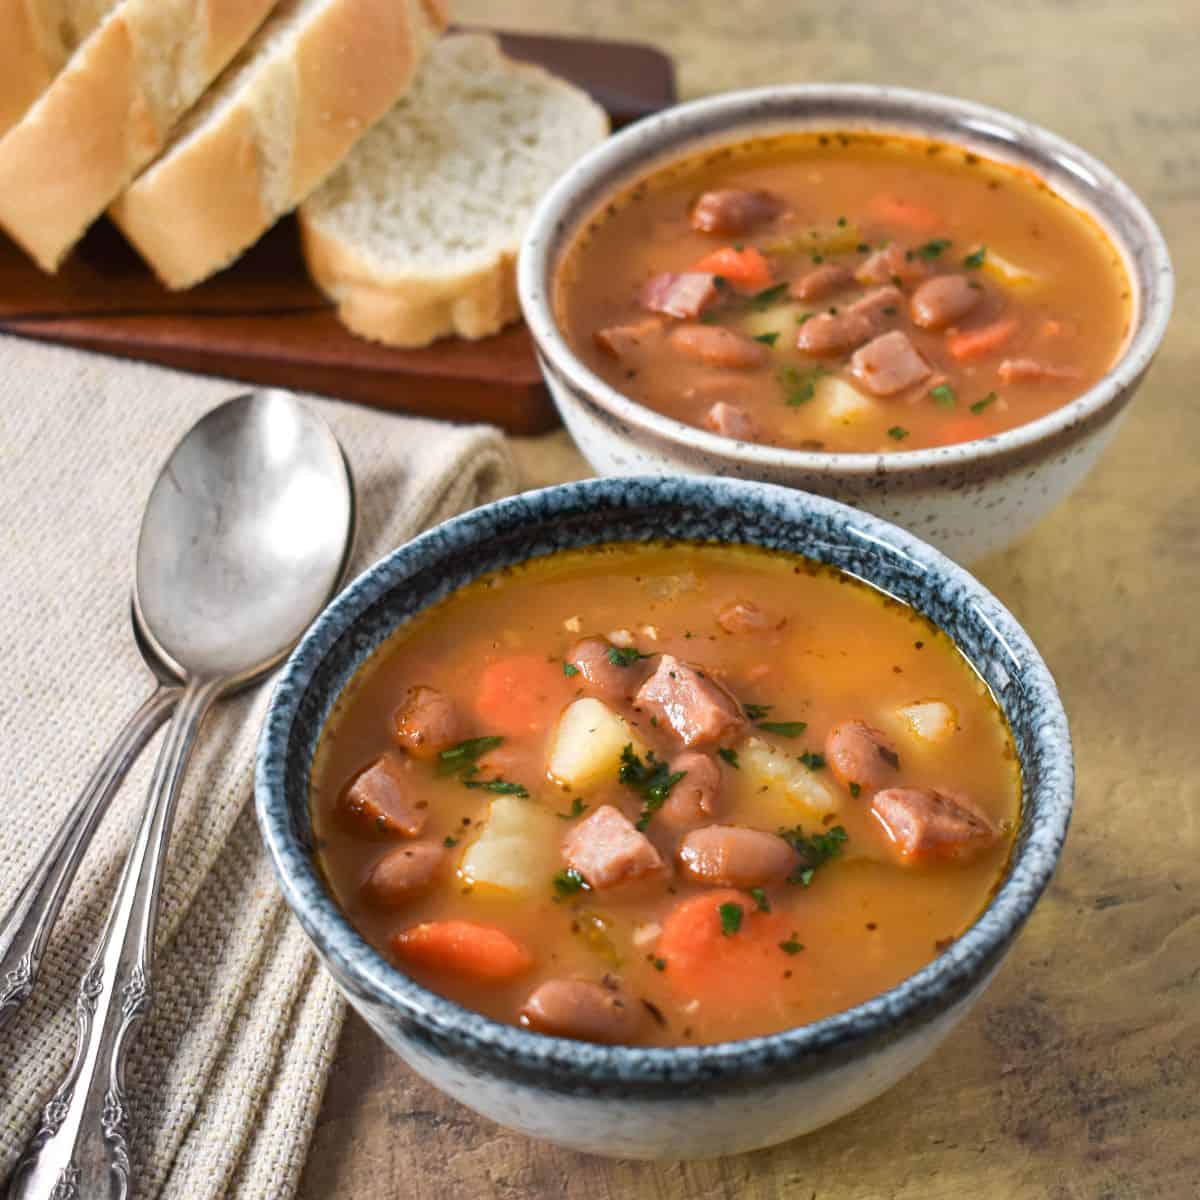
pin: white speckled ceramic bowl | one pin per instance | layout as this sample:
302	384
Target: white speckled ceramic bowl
653	1101
967	499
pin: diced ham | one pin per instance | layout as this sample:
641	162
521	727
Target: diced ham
743	616
1029	370
680	295
427	722
379	801
578	1008
696	707
822	281
733	210
603	677
889	364
626	342
731	856
606	849
891	264
861	755
732	421
943	300
693	800
924	824
403	873
834	333
716	346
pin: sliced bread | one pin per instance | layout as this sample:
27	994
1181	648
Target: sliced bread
109	111
38	38
415	235
285	112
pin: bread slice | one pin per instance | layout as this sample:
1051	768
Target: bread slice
415	235
108	112
38	38
285	112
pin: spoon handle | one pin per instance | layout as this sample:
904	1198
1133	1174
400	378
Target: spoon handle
25	929
81	1147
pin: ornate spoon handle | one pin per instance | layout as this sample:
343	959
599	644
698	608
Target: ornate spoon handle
81	1148
25	928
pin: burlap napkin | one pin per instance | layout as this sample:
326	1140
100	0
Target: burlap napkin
228	1071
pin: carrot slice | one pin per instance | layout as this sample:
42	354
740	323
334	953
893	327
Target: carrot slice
732	971
746	268
975	343
522	694
480	952
892	210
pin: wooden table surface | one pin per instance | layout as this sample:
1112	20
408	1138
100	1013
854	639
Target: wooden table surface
1078	1075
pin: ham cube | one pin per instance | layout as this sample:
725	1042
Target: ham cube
698	709
889	364
679	295
379	802
606	849
923	824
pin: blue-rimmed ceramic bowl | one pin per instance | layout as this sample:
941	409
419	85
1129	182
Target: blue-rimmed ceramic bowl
969	499
687	1101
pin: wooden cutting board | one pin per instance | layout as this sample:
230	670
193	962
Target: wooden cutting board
262	321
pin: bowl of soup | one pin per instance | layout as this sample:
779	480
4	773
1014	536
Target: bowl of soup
664	817
910	303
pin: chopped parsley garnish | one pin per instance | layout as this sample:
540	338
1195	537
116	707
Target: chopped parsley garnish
578	808
889	310
855	789
768	339
815	850
570	669
730	756
898	433
791	946
731	918
567	882
464	756
862	248
719	281
784	728
800	386
449	842
933	248
760	900
660	964
841	222
818	259
756	712
621	656
943	395
652	780
980	405
975	258
805	316
709	318
768	296
813	760
501	787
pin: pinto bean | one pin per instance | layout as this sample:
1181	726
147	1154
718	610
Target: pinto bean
733	210
716	346
895	262
627	342
822	281
695	706
589	1012
602	677
380	801
943	300
731	856
889	364
403	873
427	722
859	754
924	824
693	800
829	334
732	421
878	305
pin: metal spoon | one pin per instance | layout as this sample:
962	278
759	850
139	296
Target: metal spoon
245	537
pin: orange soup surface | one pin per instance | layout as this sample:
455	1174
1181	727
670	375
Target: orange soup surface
844	292
664	794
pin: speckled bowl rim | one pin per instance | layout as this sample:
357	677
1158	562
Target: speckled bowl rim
734	116
585	1067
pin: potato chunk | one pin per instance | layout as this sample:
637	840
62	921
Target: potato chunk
516	852
841	403
930	720
794	793
586	745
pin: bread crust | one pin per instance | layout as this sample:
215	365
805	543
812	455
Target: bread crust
95	127
26	63
205	201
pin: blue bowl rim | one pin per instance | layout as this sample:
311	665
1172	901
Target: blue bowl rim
584	1066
